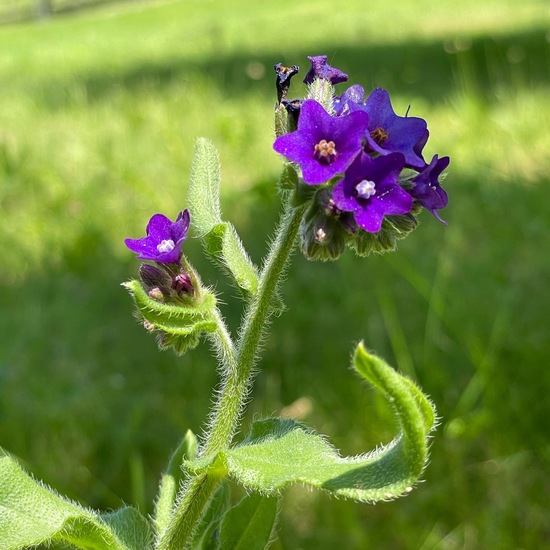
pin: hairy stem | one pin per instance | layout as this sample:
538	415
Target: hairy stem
237	367
235	387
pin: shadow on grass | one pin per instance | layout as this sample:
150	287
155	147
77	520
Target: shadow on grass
432	70
95	409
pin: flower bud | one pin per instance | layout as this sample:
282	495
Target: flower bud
156	294
182	284
325	230
155	277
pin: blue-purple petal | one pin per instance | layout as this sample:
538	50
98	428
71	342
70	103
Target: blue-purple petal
406	135
160	229
427	189
315	125
389	199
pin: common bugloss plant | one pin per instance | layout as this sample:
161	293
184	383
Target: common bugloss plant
353	176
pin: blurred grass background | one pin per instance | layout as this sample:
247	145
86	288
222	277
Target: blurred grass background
99	108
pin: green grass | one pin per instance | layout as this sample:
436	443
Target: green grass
99	110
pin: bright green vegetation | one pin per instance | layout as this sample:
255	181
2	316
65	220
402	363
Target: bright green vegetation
98	113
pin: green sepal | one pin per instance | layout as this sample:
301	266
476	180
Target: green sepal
176	326
220	237
281	121
288	180
32	514
393	229
171	479
279	452
322	91
250	524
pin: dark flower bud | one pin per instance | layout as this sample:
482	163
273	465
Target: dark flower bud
182	284
325	229
154	277
156	294
292	107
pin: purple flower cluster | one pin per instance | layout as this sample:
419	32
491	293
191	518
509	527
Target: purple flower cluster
367	155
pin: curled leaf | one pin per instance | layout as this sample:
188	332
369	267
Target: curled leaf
177	326
279	452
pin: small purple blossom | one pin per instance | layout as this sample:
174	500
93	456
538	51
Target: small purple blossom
427	190
350	99
390	133
320	69
323	145
164	239
370	190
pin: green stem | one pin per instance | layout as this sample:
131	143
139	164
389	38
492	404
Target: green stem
238	376
235	387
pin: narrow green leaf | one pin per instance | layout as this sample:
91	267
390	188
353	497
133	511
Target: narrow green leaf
249	524
31	514
171	480
281	451
220	237
204	187
224	246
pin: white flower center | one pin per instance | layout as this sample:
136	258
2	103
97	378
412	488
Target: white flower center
365	189
166	246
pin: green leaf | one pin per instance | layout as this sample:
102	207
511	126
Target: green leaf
281	451
130	527
204	187
31	514
171	480
220	237
207	536
249	524
177	326
223	244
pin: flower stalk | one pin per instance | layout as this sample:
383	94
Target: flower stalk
237	371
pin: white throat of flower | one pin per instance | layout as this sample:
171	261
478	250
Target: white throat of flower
365	189
166	246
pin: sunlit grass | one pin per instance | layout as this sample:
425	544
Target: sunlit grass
98	114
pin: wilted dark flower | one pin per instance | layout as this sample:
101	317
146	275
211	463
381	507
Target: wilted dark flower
284	75
321	69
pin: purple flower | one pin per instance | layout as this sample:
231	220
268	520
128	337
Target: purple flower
350	99
164	239
323	145
427	190
320	69
390	133
370	190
